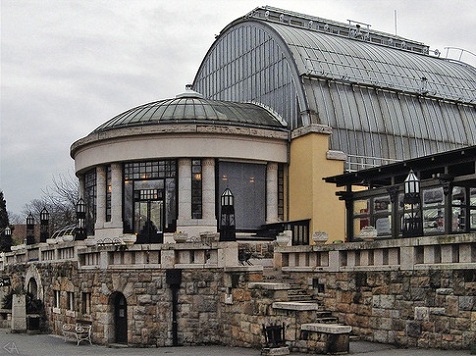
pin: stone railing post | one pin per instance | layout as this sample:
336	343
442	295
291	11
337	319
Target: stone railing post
18	313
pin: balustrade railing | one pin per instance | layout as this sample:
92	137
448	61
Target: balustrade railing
448	251
122	256
452	251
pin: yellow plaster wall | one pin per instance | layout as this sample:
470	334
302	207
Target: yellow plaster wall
309	196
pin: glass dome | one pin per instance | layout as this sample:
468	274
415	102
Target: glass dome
191	107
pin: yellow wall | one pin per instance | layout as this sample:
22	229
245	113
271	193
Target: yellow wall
309	196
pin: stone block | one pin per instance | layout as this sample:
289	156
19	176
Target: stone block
275	351
380	336
18	322
326	338
467	303
413	329
422	313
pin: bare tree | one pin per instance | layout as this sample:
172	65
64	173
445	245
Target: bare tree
60	200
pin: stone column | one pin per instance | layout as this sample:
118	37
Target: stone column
100	197
116	195
185	189
208	189
271	193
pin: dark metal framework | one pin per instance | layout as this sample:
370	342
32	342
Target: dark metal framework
150	198
447	189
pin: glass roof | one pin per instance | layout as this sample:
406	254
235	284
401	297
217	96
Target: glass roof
191	107
341	58
385	97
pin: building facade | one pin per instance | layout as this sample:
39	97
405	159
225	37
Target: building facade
168	163
280	102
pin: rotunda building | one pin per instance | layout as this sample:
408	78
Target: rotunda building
162	167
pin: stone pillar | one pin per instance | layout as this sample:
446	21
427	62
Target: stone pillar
116	195
19	313
208	189
100	197
271	193
185	189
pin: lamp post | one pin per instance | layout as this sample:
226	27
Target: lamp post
412	214
7	242
30	230
44	225
81	216
227	220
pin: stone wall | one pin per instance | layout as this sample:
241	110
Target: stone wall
422	308
149	310
425	307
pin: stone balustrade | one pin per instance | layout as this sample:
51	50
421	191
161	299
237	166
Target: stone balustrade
436	252
122	256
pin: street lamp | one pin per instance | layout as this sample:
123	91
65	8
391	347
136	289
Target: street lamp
81	215
412	217
227	221
7	242
30	229
44	225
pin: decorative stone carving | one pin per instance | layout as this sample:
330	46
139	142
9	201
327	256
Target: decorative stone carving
368	233
320	237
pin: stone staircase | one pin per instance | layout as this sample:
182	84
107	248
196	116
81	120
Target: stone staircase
295	293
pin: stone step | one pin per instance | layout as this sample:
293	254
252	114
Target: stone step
327	320
298	294
323	314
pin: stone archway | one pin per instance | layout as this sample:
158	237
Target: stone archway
33	283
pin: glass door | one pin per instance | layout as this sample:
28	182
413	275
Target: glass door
149	216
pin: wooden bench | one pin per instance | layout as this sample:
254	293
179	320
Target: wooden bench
326	338
77	332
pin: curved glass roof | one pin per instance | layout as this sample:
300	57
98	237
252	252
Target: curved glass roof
341	58
384	96
191	107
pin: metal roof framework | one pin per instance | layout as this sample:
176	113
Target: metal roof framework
385	97
194	109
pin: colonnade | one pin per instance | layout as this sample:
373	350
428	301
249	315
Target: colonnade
113	226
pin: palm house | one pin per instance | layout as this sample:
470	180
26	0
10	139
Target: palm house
280	101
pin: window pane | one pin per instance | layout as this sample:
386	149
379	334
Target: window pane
248	185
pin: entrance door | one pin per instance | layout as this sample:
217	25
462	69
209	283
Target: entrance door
120	318
149	221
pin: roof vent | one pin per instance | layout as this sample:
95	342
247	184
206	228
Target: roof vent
189	93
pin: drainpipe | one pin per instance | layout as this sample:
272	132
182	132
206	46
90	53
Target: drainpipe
173	278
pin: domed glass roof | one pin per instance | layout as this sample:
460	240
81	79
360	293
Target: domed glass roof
191	107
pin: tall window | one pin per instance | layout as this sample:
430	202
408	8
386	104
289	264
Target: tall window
70	300
433	211
248	184
196	189
86	303
463	203
90	194
108	193
150	198
57	298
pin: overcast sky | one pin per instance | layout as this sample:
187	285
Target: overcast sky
68	66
